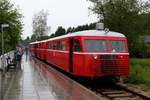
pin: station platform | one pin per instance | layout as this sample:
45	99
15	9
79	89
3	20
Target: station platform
38	81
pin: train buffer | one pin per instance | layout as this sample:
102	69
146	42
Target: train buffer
38	81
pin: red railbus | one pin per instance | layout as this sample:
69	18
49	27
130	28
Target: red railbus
92	53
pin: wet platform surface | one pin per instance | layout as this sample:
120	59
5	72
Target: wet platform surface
38	81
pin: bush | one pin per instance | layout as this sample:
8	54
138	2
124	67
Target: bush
139	72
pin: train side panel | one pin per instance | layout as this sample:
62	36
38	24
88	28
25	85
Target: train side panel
58	58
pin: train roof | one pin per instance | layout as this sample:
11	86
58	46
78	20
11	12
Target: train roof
86	33
38	41
91	33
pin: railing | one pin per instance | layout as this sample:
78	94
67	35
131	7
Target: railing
3	65
3	59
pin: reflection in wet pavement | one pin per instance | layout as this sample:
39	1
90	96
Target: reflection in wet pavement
38	81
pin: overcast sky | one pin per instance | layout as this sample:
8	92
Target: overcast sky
61	13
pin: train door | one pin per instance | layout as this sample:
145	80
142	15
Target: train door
71	55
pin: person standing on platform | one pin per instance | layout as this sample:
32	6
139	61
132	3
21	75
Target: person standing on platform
18	56
26	50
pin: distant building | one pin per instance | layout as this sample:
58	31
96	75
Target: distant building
147	39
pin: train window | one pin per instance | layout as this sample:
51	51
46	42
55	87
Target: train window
95	45
117	46
59	45
63	43
36	46
50	45
55	46
77	46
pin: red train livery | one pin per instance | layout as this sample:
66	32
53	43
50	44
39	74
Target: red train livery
92	53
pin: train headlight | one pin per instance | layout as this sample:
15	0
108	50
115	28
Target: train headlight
95	57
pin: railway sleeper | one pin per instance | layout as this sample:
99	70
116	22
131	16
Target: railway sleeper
120	95
113	92
128	98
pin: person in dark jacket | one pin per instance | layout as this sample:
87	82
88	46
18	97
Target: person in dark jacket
18	56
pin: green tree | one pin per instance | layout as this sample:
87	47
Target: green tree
123	16
9	14
44	37
33	38
146	23
92	26
60	31
69	30
81	28
52	35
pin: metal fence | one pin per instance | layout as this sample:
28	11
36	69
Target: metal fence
3	59
4	63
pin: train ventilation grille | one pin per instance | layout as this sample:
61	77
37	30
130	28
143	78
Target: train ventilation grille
110	64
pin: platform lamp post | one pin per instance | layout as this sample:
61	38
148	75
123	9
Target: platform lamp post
2	64
2	29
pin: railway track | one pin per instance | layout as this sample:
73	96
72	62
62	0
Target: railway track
117	92
110	90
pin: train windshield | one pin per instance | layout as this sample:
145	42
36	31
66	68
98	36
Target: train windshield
117	46
95	45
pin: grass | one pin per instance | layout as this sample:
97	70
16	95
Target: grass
139	72
142	62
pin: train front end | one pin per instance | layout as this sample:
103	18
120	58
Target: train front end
106	56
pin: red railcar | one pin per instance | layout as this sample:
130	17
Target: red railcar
43	50
33	49
92	53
